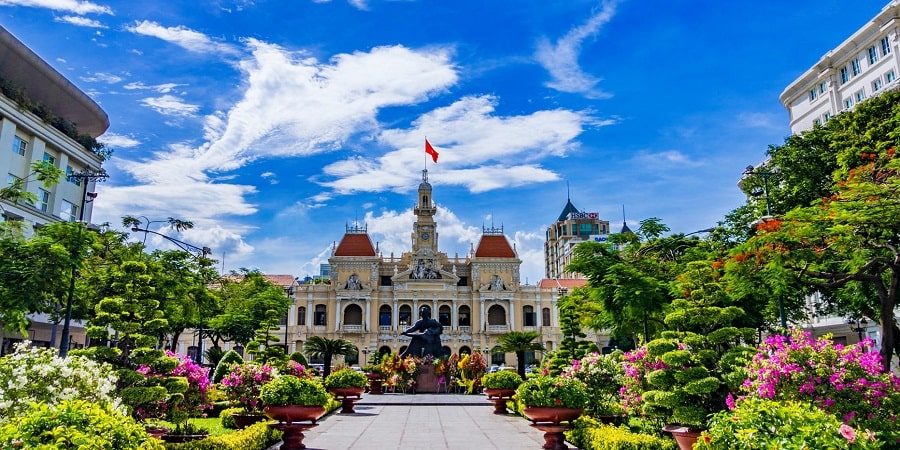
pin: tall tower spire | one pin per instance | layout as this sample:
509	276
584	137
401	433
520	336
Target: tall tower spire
424	234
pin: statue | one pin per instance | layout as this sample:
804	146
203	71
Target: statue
428	341
353	283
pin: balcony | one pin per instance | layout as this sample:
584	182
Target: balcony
385	328
498	328
465	329
353	328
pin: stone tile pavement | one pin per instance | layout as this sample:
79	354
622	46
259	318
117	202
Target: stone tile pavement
423	421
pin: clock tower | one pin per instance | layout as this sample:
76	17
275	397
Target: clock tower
424	234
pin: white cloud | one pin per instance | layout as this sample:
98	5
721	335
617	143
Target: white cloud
478	149
668	159
163	88
561	58
184	37
117	140
100	77
80	21
170	105
391	231
72	6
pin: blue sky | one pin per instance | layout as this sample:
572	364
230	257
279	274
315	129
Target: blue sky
273	124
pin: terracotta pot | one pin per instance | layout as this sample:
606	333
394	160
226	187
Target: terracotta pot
244	420
157	432
294	413
374	376
347	392
551	414
685	437
499	392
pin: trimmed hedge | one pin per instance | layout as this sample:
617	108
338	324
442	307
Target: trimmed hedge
590	434
227	420
255	437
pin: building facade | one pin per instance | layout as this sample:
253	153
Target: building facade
571	228
866	64
26	138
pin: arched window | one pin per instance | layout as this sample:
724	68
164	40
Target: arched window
496	315
465	316
444	315
384	350
301	315
498	358
465	350
352	358
319	317
545	317
405	315
384	316
402	349
529	316
427	309
353	315
447	351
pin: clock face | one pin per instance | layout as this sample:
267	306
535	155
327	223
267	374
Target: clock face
425	236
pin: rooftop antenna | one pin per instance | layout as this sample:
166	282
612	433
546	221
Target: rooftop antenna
568	195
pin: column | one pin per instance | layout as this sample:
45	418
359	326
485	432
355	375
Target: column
454	317
482	318
512	315
309	312
337	315
395	316
368	314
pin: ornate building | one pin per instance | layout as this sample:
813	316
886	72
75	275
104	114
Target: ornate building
371	298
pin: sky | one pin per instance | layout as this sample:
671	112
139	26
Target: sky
272	125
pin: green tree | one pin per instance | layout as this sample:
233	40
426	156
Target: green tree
520	342
246	298
321	347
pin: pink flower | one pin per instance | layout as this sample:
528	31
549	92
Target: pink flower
848	433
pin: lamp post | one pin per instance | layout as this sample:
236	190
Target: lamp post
201	253
84	177
765	176
858	325
365	351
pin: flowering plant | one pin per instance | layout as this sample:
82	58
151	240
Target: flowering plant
471	368
296	369
602	374
243	383
548	391
757	423
188	387
403	371
846	381
31	374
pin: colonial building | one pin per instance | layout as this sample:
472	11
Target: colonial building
26	138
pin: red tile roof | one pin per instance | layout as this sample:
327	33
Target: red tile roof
567	283
282	280
355	244
494	246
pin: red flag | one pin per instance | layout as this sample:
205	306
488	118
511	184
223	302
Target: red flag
430	150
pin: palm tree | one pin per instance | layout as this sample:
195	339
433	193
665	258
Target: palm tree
319	347
520	342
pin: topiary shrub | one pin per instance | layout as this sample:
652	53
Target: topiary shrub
226	419
589	434
75	424
503	379
256	436
298	358
229	359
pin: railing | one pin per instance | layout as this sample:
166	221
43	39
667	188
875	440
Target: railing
385	328
353	328
465	328
498	328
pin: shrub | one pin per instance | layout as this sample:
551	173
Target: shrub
345	378
31	374
243	383
298	358
589	434
226	419
229	359
552	391
256	436
290	390
757	423
846	381
602	375
75	424
503	379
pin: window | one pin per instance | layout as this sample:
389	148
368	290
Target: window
545	317
854	66
43	200
68	211
74	180
845	75
823	87
586	228
384	316
301	315
529	315
817	122
873	55
11	180
813	94
19	145
319	317
885	46
860	95
890	77
405	315
464	316
50	159
826	117
848	103
876	85
444	315
283	321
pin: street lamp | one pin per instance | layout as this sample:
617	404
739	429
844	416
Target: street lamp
84	177
858	325
201	253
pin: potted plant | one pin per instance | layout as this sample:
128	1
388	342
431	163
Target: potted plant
602	375
347	385
552	399
289	399
373	374
499	387
242	385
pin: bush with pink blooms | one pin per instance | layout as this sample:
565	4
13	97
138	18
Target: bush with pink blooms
187	384
243	383
845	381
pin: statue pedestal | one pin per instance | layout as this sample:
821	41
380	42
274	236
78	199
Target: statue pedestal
427	381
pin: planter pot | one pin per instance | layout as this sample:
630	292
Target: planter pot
157	432
499	392
294	413
246	419
684	436
375	383
347	392
179	438
551	414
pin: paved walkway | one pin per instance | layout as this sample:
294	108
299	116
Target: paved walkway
423	421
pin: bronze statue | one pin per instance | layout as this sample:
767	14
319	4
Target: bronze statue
428	340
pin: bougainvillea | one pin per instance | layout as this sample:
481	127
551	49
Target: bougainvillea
602	374
242	385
